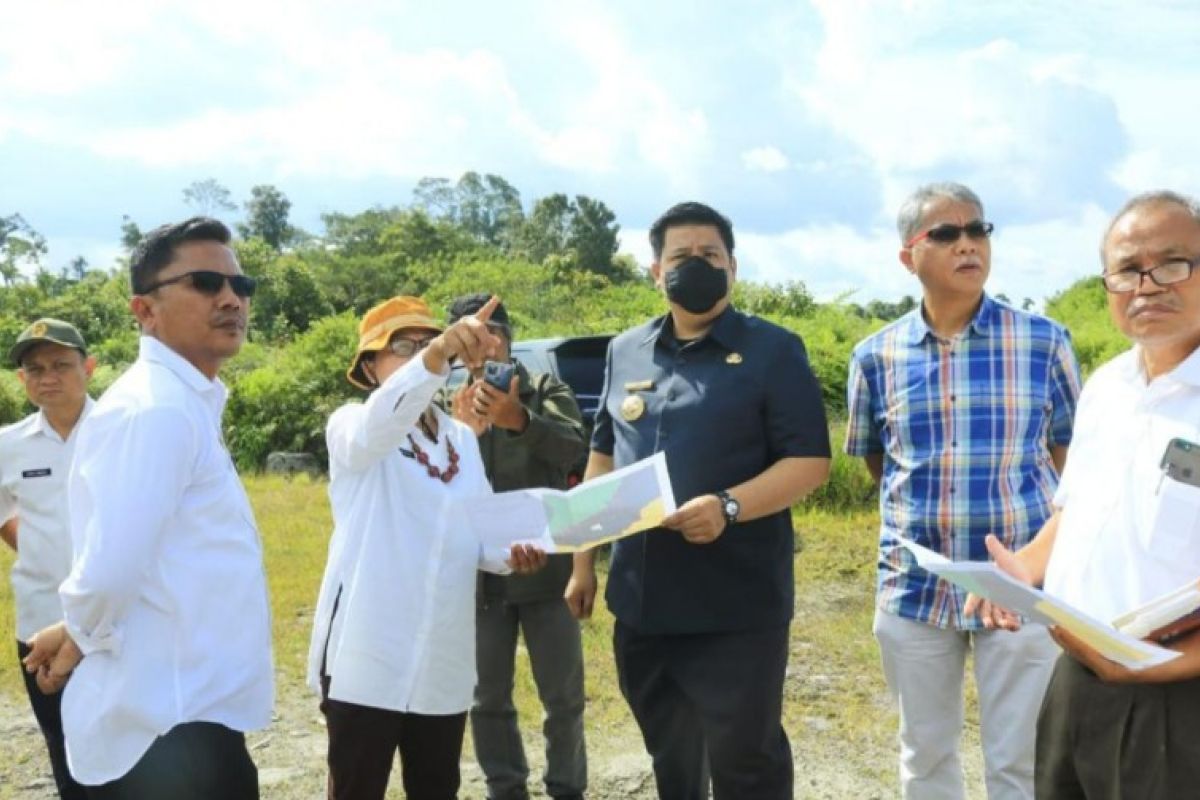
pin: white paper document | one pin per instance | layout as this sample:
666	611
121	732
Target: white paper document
985	579
623	502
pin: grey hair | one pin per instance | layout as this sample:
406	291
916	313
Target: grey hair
1144	200
908	221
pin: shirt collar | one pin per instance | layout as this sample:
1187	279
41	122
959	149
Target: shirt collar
1185	372
919	330
41	425
725	329
153	350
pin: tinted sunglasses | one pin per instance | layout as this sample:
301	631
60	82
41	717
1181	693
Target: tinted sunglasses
948	233
210	283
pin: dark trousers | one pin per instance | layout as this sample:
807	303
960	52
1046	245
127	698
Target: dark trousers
1099	741
49	719
364	740
192	761
710	703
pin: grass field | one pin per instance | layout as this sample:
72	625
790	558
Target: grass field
835	690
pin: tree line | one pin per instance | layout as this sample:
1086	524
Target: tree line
554	262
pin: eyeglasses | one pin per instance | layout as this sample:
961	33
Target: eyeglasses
1177	270
948	233
210	283
405	348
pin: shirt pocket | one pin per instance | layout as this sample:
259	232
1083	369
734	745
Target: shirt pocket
1175	522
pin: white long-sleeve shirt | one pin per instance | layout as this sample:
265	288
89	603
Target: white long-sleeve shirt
166	598
34	462
395	620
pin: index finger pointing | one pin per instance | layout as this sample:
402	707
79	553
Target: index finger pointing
484	314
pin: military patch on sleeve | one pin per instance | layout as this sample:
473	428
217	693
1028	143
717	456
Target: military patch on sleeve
44	472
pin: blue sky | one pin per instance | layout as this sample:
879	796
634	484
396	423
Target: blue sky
805	122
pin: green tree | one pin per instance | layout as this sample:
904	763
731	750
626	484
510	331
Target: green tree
21	247
208	197
267	217
486	206
131	234
592	235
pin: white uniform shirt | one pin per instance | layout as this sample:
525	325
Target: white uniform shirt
34	461
167	597
395	621
1127	533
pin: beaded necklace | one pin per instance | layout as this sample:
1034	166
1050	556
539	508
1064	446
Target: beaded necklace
421	457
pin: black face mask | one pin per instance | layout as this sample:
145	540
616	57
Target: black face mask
696	285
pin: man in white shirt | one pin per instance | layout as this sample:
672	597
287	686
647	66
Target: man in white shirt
166	602
35	455
1124	531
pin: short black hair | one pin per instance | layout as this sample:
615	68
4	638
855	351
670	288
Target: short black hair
470	303
157	248
689	214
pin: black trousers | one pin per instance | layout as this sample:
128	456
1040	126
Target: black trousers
363	742
192	761
1098	741
710	704
46	708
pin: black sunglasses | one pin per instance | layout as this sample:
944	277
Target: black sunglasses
206	281
948	233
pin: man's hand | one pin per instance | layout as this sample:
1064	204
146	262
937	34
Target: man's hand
502	409
580	593
700	519
468	340
995	616
53	656
1106	670
525	559
462	408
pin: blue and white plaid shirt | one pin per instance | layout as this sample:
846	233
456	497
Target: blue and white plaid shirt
964	427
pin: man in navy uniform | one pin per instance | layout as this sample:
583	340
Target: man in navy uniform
703	604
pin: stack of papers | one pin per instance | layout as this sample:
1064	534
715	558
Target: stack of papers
1165	617
986	580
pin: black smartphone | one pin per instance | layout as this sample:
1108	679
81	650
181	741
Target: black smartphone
1181	462
498	374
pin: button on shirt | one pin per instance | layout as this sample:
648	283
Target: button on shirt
964	427
395	620
34	461
1127	533
722	409
167	598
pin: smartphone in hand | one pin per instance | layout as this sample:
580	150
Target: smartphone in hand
498	374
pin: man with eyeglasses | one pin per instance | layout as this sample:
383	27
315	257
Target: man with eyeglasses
962	410
35	454
530	436
1126	529
167	621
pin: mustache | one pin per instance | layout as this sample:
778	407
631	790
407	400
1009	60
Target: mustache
1140	305
225	320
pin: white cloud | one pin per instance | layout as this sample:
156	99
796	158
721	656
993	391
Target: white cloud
765	159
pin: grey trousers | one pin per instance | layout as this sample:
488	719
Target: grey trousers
556	656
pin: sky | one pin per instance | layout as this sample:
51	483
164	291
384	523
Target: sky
807	123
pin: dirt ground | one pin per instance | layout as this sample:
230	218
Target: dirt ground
290	755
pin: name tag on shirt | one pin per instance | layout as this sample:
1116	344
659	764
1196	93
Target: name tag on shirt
44	472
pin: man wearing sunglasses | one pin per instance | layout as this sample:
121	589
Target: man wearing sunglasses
962	410
1126	527
167	621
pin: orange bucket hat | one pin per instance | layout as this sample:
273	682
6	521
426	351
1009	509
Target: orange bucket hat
378	325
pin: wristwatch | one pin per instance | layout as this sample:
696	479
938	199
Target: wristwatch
730	507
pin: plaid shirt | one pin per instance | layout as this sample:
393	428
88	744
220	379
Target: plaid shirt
964	427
